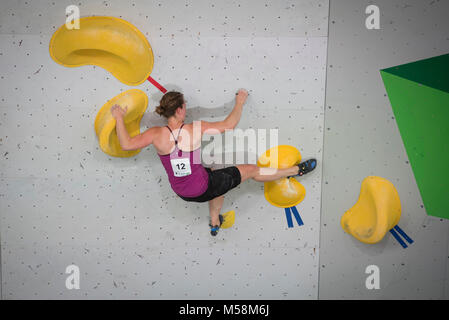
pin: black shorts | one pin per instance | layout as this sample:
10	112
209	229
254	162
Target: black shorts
220	182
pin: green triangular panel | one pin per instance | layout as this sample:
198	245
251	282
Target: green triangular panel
422	116
432	72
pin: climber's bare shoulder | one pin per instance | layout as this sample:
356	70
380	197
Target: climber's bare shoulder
162	140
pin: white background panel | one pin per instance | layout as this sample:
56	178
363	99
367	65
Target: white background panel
64	201
361	138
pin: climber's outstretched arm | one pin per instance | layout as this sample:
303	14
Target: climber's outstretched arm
126	142
231	120
141	140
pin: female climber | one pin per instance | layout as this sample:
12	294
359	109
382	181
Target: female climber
179	148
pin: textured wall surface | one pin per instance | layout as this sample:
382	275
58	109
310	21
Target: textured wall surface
362	138
63	201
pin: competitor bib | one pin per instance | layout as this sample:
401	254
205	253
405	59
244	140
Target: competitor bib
181	167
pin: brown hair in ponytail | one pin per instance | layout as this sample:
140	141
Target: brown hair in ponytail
169	103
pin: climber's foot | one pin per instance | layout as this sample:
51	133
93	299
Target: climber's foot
305	167
214	228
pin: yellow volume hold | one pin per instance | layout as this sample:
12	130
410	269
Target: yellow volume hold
228	219
284	192
377	211
105	123
108	42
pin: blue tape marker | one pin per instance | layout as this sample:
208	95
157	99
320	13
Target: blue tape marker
403	234
288	214
297	216
398	238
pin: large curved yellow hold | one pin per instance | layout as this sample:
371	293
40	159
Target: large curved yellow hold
108	42
285	192
377	211
137	102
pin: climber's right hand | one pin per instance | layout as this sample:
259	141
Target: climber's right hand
241	96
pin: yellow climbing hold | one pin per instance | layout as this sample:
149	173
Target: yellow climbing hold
108	42
285	192
377	211
281	157
228	219
137	102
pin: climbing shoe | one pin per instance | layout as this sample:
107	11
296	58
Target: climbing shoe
214	229
305	167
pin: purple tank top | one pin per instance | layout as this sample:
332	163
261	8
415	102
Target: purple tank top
188	178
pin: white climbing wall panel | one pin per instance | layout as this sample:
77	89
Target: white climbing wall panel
63	201
362	139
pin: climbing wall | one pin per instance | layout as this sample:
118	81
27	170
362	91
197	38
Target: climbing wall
362	138
63	201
